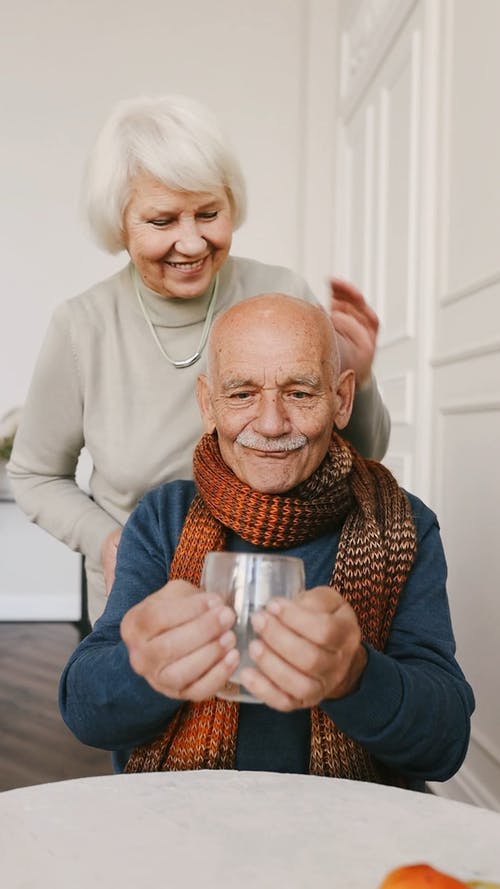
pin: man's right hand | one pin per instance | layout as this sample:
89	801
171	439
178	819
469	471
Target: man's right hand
180	640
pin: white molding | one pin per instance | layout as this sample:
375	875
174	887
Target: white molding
479	351
444	123
472	406
36	607
320	146
381	221
414	186
365	43
303	64
344	226
401	465
448	409
469	790
470	289
368	251
407	379
428	246
486	745
408	58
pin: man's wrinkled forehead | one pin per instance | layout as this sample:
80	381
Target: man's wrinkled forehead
238	375
270	332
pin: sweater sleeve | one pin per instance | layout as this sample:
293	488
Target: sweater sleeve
48	444
413	706
102	699
369	427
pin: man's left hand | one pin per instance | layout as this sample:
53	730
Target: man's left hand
308	650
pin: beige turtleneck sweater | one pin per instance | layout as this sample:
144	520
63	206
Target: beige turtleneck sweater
101	382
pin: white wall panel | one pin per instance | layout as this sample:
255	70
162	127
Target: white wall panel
397	216
467	486
471	144
466	362
468	322
430	72
378	190
357	176
399	397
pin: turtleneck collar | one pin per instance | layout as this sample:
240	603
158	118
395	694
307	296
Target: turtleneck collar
167	311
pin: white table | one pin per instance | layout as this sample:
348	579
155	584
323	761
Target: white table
234	829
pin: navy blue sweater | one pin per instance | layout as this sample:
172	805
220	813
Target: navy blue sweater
411	711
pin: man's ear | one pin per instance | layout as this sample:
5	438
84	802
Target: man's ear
345	397
205	403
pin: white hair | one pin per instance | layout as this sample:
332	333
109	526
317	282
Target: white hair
174	139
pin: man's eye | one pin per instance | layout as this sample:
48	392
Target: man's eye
241	396
298	394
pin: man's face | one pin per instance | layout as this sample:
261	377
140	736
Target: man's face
272	394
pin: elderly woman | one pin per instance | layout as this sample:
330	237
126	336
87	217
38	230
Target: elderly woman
117	370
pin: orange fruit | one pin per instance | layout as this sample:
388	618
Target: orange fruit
420	876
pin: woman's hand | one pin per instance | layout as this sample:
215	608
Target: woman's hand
180	640
357	326
308	650
108	557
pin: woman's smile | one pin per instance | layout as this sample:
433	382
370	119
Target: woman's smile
177	240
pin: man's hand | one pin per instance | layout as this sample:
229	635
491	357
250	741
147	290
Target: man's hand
109	550
180	641
357	326
308	650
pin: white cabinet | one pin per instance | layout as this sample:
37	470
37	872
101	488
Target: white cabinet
40	578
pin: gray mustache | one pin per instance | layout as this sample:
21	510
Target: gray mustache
260	443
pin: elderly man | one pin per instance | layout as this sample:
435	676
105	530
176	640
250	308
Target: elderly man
357	677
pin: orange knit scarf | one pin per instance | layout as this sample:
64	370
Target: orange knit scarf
375	553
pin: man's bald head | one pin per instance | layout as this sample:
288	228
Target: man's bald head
276	315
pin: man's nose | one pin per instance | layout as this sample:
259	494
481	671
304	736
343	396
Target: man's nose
272	419
190	242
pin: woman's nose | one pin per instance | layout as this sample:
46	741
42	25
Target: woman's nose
190	242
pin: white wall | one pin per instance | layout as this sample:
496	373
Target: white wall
64	65
261	66
418	222
465	418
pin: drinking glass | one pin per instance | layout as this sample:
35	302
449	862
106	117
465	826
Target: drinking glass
247	581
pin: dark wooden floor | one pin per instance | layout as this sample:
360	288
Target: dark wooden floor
35	745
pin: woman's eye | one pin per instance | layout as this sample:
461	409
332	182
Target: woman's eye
160	223
210	214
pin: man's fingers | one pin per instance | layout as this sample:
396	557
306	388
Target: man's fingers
320	616
164	610
149	656
296	669
214	680
264	690
202	672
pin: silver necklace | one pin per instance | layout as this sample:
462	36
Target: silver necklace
186	362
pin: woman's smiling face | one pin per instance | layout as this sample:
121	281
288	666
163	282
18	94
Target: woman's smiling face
177	240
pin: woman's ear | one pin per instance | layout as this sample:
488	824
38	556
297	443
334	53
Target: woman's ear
205	403
345	397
